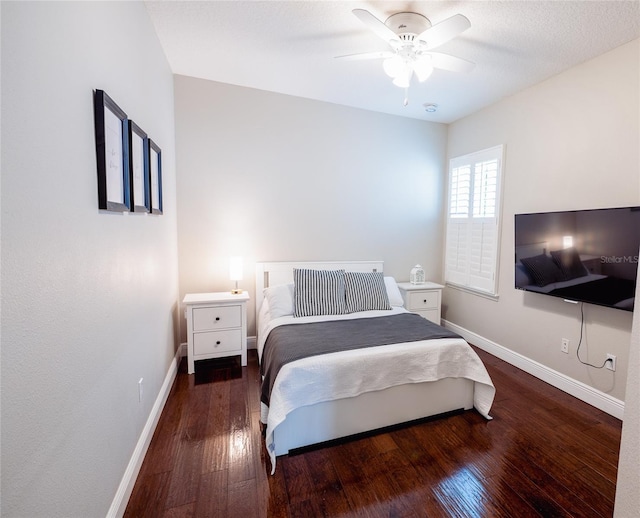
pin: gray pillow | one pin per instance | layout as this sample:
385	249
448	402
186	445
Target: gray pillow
568	260
318	292
542	269
365	291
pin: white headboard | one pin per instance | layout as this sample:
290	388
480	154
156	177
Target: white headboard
272	274
531	249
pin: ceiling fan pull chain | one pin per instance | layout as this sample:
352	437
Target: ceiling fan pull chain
406	97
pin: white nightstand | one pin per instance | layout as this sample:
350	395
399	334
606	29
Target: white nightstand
216	326
593	263
424	299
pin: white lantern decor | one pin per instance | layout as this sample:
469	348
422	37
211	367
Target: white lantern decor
417	275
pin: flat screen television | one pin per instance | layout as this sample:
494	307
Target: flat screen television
579	255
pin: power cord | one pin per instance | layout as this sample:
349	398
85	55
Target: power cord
580	343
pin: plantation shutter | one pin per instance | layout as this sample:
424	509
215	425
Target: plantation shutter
471	250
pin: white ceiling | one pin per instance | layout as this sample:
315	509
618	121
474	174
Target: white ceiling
289	47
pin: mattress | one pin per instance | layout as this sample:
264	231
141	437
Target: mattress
350	373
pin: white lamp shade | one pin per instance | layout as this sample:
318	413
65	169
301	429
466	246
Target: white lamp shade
567	241
393	66
404	78
423	69
235	268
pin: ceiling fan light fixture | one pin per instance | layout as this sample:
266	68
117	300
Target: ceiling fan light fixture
404	79
393	66
423	69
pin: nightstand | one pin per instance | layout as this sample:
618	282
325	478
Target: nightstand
216	326
424	299
593	263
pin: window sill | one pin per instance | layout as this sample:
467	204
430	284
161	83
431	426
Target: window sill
484	294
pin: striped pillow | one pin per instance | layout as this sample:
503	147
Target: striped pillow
365	291
318	292
542	269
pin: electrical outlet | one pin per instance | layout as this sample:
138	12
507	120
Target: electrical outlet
140	382
610	362
564	346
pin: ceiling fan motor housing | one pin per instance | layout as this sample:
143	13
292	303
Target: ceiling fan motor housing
407	25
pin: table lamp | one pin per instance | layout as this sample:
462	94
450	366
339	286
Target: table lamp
235	272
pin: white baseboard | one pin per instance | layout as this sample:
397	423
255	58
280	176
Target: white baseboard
121	499
582	391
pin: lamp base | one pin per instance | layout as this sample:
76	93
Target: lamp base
236	291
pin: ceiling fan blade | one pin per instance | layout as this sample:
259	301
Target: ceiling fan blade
367	55
376	25
444	31
451	63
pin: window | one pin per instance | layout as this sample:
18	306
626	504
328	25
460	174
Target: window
471	249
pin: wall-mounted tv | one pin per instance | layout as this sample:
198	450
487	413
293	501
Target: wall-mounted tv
580	255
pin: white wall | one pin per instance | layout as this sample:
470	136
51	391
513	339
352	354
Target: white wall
571	143
274	178
89	298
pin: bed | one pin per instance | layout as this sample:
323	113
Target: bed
563	273
311	400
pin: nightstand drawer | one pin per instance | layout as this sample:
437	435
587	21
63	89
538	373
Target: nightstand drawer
217	342
424	300
221	317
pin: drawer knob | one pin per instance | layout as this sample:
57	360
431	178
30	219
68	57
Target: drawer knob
217	318
218	342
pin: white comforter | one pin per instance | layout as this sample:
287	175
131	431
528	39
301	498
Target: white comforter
350	373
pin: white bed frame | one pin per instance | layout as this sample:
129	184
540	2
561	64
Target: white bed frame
531	250
344	417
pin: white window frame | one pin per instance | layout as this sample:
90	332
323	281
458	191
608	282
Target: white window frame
472	234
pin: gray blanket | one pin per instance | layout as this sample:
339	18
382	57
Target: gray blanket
292	342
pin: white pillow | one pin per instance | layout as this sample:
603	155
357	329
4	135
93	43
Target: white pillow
395	297
280	298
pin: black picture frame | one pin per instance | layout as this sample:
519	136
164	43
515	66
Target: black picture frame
112	153
139	169
155	176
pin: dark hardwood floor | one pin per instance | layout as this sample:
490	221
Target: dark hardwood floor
545	453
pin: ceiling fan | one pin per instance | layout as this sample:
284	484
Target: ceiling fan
411	38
